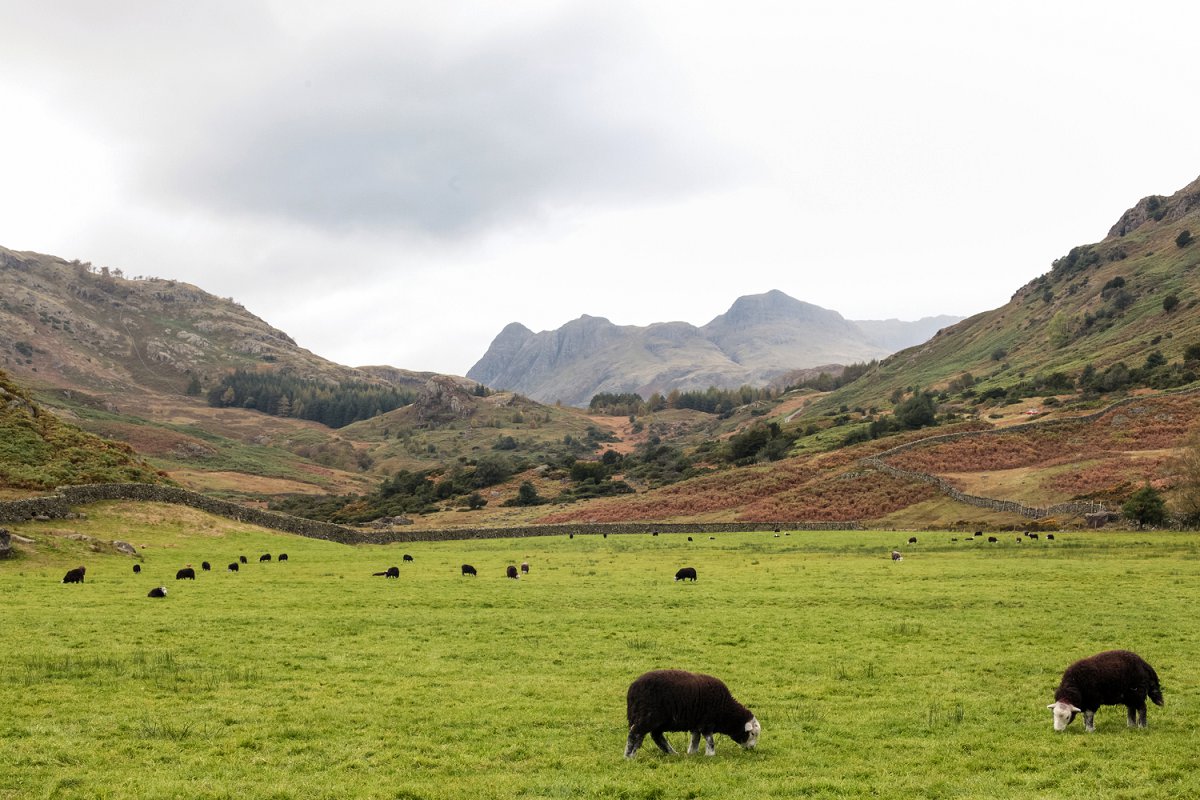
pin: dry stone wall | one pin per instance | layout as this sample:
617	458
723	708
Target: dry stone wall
58	506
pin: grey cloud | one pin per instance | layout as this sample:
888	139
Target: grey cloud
389	132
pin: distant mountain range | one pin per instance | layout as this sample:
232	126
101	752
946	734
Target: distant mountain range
758	340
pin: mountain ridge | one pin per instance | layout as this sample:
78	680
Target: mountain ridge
760	339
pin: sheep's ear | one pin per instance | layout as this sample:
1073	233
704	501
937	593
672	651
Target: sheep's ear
1075	710
1052	705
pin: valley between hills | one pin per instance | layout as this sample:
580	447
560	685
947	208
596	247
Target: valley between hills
1075	396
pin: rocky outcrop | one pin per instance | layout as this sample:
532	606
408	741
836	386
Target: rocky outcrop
1158	209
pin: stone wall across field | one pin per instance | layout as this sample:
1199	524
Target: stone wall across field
58	506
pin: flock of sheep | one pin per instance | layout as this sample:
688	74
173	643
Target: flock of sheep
673	700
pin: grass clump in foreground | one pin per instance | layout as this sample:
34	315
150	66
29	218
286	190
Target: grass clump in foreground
924	678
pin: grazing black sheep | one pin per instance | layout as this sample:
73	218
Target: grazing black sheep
525	567
605	534
1033	536
954	539
896	556
407	557
186	572
74	575
1111	678
204	565
686	573
511	572
264	557
158	591
570	536
1050	536
233	566
467	569
137	568
282	557
243	559
689	538
979	533
392	572
654	533
912	540
674	700
993	539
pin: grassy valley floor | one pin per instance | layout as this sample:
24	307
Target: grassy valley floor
311	678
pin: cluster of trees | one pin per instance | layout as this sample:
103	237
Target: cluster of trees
710	401
284	395
827	383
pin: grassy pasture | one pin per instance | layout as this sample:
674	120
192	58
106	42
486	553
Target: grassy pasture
924	678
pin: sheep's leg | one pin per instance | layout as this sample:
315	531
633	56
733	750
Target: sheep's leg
1089	721
710	747
1131	715
694	744
633	743
662	743
1141	715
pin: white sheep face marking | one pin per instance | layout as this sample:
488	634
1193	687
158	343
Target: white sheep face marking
754	729
1063	714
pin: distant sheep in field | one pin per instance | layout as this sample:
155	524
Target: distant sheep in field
654	533
674	700
993	539
1050	536
686	573
137	568
407	557
1111	678
243	559
896	556
570	536
525	567
282	557
979	533
511	572
186	572
912	540
689	538
390	572
264	557
233	566
954	539
74	575
467	569
204	565
1033	536
158	591
605	534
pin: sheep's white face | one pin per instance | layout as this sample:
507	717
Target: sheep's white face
1064	713
753	729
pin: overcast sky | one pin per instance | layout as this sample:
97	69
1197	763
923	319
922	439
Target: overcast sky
392	182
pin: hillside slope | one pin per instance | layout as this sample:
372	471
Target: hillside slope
39	451
1102	310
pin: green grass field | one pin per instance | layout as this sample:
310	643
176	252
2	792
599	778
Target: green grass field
925	678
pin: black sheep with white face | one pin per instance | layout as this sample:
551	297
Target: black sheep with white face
1111	678
676	700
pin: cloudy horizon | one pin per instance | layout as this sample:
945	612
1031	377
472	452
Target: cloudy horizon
393	183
